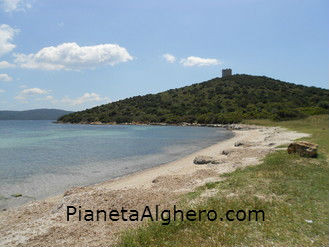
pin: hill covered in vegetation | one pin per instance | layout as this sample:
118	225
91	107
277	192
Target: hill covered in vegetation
220	100
36	114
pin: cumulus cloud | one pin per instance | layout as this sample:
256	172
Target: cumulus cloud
70	56
169	58
39	94
2	91
5	77
86	97
5	65
49	97
198	61
15	5
30	92
7	33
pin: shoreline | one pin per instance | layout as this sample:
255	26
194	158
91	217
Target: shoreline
147	163
117	179
233	126
43	222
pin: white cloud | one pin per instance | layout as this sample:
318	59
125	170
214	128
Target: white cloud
49	97
30	92
5	77
169	58
86	97
5	64
2	91
7	33
70	56
15	5
198	61
39	94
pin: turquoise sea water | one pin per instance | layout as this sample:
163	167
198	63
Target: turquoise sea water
39	158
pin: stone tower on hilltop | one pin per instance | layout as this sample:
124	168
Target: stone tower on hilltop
226	72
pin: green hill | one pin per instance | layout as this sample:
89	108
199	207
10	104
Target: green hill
220	100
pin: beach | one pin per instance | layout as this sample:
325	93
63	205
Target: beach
44	223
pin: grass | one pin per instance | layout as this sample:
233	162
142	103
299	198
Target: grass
16	195
291	190
318	126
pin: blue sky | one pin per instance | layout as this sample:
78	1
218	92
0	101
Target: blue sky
76	54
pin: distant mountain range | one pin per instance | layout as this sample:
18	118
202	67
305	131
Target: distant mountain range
220	100
36	114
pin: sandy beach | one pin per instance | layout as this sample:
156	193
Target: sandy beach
43	223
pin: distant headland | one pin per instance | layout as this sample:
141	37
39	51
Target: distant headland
35	114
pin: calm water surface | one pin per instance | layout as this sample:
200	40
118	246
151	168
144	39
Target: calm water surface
39	158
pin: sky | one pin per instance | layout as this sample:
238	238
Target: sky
76	54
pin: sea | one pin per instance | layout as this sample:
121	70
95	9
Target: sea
39	159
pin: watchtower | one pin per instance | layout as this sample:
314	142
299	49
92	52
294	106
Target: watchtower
226	72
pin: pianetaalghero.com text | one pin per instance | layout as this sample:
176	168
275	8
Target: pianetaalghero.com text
166	216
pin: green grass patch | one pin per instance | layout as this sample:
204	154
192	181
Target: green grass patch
17	195
291	190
